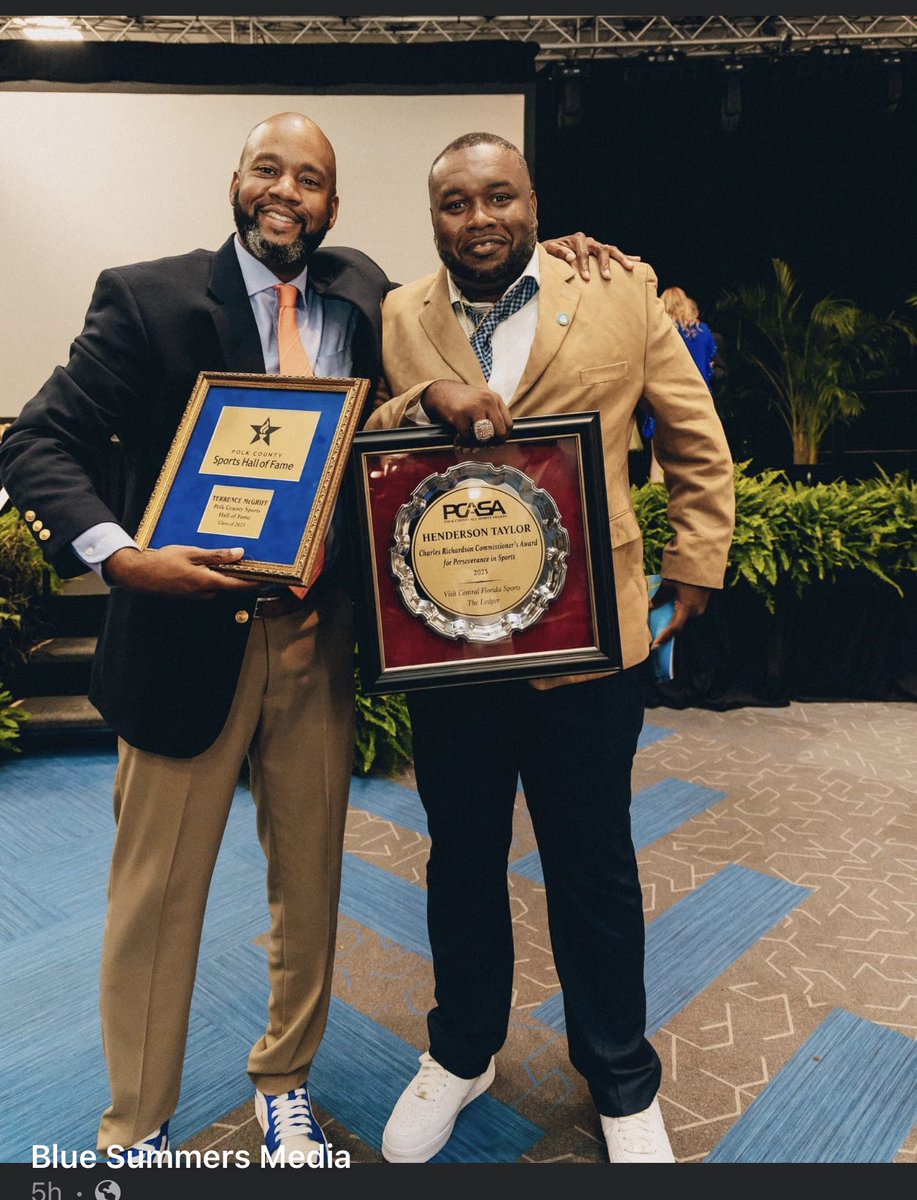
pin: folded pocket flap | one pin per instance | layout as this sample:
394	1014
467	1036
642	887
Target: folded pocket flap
606	374
624	528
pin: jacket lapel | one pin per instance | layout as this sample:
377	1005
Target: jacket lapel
557	299
232	313
439	324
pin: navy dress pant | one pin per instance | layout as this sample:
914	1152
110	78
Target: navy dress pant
573	747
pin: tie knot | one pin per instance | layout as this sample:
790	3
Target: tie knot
507	306
289	294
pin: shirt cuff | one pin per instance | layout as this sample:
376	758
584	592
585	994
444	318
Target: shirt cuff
416	414
99	543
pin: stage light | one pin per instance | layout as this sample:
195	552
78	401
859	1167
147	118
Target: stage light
50	29
731	106
570	100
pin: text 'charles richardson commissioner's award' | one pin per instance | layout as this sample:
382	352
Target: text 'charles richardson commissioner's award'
479	552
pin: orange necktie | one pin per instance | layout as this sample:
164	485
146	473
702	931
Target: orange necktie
293	357
294	361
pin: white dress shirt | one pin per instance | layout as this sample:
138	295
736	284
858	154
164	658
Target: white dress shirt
511	341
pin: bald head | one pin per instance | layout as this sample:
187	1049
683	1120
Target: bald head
289	126
284	193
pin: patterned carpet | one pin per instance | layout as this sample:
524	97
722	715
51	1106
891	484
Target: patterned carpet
778	856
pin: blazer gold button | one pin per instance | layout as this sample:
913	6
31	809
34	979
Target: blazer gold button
36	525
45	534
241	616
29	516
563	319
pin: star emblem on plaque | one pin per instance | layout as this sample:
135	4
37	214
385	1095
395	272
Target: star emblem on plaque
479	552
264	431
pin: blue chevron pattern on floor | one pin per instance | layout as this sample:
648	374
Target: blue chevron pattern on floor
848	1094
390	801
401	805
693	942
383	902
53	872
654	812
49	960
650	734
360	1071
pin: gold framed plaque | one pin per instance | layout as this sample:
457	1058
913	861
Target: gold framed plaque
257	461
484	562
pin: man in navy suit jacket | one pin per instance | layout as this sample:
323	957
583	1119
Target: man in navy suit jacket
194	669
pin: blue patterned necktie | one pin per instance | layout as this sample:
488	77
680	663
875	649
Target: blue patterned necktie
521	294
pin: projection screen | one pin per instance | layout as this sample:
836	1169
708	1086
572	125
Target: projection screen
93	179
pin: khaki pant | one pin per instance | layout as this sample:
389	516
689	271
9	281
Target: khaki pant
293	715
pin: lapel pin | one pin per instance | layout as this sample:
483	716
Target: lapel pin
563	319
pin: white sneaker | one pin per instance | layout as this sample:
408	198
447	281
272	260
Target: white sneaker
640	1137
422	1120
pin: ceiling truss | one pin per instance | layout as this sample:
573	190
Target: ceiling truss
560	38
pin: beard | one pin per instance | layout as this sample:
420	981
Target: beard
499	275
285	255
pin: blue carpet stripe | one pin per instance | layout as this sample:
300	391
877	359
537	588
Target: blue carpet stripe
361	1067
399	804
75	801
529	867
651	734
697	939
660	809
390	801
360	1071
654	812
849	1094
72	877
21	913
391	906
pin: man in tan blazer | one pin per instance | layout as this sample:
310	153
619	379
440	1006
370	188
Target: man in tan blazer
500	331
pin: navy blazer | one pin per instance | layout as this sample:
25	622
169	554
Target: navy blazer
166	669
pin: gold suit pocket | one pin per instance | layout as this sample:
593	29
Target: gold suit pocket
624	528
606	374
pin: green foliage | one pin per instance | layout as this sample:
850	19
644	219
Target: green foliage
11	717
789	535
383	745
812	361
23	573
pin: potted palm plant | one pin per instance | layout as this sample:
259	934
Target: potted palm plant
812	360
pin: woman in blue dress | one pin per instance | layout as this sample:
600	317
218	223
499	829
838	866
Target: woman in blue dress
697	335
699	339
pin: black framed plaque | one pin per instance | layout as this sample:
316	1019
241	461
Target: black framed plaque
480	563
257	461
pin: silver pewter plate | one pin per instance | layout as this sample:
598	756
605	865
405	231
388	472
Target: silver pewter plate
479	552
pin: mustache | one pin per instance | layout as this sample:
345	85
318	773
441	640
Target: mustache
276	254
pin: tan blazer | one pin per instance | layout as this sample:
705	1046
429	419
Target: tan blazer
600	345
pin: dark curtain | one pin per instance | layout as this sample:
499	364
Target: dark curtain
853	639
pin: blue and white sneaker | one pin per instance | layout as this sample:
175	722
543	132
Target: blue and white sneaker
145	1152
289	1123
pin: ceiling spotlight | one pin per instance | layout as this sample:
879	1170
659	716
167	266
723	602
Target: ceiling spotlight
663	56
50	29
